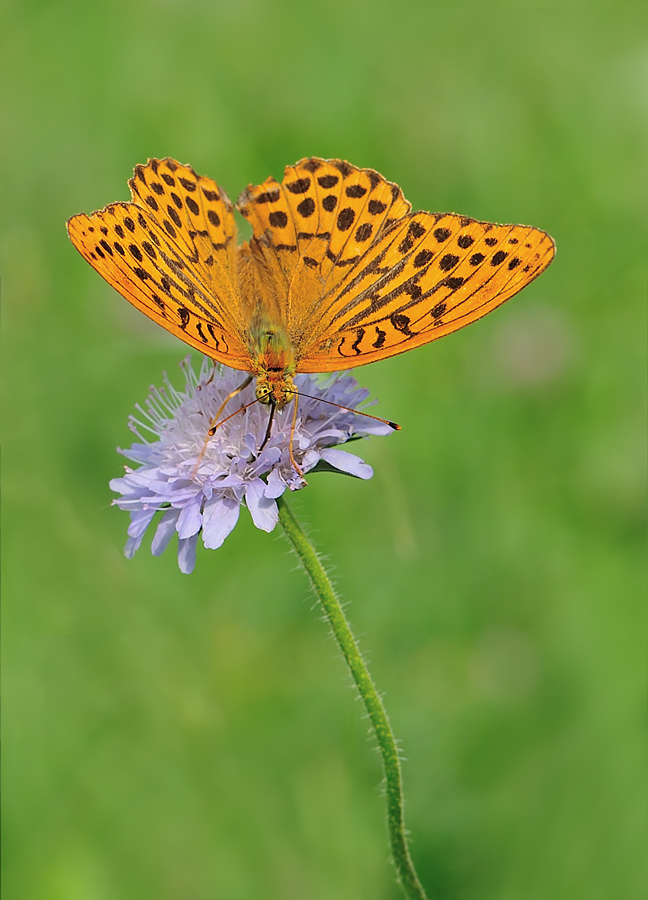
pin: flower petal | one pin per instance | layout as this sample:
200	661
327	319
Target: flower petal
132	545
373	426
220	515
190	519
276	485
310	460
263	510
140	521
187	554
347	462
164	531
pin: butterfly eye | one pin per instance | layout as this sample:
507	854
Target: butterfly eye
263	392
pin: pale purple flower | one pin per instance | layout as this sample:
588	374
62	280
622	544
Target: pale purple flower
199	484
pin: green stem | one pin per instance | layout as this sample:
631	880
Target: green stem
323	588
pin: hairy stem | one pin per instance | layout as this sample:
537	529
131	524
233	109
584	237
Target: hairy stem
394	788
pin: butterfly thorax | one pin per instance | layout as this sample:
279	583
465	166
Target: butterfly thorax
274	363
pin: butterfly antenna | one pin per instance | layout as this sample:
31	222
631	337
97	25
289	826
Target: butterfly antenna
212	431
358	412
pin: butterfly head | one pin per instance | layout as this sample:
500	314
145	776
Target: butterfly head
275	388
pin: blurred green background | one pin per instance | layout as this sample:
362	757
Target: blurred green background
195	738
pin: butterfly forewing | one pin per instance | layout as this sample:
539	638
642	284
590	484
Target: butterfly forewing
429	276
172	254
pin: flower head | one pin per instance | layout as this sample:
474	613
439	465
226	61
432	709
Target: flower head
199	483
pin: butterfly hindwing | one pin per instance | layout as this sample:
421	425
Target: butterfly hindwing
429	276
172	254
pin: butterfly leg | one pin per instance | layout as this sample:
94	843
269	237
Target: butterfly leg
211	377
290	443
273	408
241	387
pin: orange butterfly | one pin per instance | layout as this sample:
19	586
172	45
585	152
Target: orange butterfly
338	273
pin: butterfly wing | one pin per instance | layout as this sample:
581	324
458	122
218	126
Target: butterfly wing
429	276
171	252
364	278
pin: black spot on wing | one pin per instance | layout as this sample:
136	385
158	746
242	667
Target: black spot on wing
278	219
343	167
364	232
422	257
376	206
449	261
401	323
306	208
300	186
328	181
355	190
345	218
173	214
414	231
268	196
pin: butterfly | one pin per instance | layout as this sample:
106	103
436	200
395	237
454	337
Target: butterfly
339	271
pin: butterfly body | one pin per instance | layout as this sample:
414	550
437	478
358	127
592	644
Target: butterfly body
273	363
338	273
